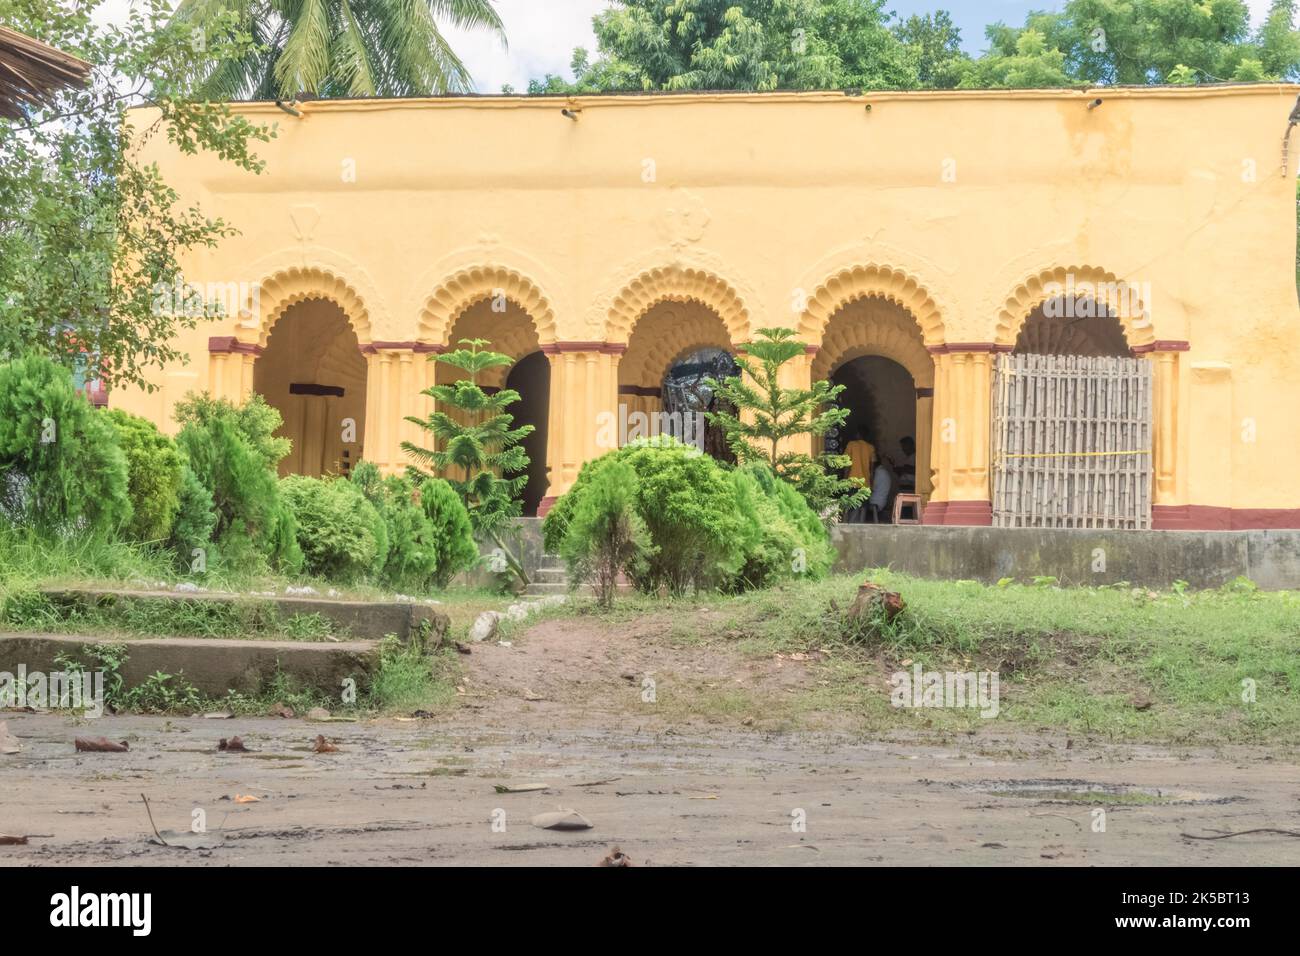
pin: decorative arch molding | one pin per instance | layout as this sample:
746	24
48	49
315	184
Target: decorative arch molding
299	273
885	330
1123	301
684	275
474	284
866	281
645	363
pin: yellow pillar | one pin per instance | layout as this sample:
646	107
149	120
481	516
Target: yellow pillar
230	368
959	446
583	408
389	376
1169	440
924	430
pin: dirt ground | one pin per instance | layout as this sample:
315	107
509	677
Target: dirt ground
564	706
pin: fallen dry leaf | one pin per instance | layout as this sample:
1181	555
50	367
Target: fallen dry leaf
247	798
100	745
323	746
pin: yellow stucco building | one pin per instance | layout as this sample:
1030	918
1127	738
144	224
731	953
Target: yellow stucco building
908	238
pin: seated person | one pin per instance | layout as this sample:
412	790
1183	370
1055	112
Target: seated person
882	483
906	466
862	456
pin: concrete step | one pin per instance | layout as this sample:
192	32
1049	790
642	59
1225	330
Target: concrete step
551	576
213	665
360	620
539	589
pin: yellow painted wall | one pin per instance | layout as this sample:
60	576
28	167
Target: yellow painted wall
780	209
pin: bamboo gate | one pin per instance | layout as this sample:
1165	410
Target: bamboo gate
1072	442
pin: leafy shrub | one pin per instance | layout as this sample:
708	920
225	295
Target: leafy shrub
784	536
605	534
154	471
453	537
687	501
234	454
341	535
61	469
195	517
412	560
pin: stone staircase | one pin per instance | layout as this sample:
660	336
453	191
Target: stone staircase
549	578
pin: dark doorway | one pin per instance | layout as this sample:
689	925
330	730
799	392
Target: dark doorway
531	378
881	398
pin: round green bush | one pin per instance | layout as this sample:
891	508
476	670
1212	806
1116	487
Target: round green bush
340	533
453	536
709	526
154	475
688	504
412	561
233	453
61	469
784	537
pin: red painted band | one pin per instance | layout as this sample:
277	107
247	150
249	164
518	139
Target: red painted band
1212	518
226	344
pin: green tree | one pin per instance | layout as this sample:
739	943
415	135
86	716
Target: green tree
1102	42
933	42
89	231
478	453
606	537
740	45
768	414
336	48
61	470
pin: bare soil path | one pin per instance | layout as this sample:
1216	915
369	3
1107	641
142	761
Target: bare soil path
564	706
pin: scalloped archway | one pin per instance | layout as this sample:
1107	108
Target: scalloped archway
469	287
288	287
865	282
874	326
677	283
1126	302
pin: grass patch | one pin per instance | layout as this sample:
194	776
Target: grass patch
1125	663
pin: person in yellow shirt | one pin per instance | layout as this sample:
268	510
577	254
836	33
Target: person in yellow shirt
862	457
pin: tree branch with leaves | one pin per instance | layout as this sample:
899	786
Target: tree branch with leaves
478	452
768	417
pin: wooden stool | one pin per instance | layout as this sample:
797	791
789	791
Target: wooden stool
904	501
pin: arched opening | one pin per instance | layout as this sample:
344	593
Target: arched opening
1077	325
874	348
673	347
509	329
880	396
531	378
313	373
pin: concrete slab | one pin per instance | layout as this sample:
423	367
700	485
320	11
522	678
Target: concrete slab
359	620
212	665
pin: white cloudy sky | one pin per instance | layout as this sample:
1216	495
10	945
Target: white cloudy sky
541	34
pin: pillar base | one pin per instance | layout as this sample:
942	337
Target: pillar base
965	513
545	505
1210	518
